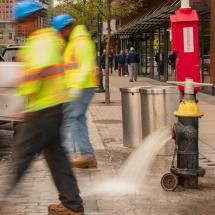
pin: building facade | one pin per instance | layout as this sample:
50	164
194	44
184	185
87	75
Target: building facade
11	34
7	29
149	33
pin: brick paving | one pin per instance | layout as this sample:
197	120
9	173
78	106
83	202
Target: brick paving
36	191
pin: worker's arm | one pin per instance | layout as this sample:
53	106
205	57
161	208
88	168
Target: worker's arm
86	58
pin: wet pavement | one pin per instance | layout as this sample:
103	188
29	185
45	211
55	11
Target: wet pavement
6	138
37	191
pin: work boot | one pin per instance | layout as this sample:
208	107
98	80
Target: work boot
59	209
84	161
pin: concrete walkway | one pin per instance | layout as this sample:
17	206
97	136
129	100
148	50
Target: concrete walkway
105	122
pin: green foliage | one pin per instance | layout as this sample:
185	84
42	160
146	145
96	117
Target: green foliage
87	11
82	11
125	8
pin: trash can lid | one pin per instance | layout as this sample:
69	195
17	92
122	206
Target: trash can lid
134	89
159	89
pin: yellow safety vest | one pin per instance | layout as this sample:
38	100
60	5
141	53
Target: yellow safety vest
42	80
80	60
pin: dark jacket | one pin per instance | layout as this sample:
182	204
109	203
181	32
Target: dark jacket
102	61
172	60
121	59
110	59
157	58
133	57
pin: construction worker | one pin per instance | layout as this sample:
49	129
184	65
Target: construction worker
80	64
42	82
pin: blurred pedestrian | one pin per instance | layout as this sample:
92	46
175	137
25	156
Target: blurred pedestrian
126	62
157	61
159	58
80	67
172	62
103	65
102	60
133	61
115	63
121	63
161	63
110	61
42	82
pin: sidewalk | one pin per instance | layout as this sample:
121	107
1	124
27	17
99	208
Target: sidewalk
182	202
105	128
206	104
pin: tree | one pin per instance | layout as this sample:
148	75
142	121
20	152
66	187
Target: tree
86	11
81	10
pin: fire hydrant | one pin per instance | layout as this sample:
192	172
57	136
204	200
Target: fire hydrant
185	133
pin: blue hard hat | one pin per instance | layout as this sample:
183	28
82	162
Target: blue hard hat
25	8
61	21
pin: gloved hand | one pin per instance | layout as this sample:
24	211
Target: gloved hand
75	93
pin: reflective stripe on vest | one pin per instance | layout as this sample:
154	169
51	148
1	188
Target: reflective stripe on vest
71	66
42	74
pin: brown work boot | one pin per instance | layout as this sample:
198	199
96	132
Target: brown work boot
84	161
59	209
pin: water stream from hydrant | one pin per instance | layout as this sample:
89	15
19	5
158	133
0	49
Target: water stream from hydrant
132	174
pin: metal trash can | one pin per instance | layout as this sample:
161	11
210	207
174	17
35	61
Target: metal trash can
131	116
158	105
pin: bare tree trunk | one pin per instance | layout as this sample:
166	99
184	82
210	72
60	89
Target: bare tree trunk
107	85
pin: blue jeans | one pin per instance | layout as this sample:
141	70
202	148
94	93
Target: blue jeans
74	130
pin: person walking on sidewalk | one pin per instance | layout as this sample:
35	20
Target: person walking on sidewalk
102	61
80	64
133	61
121	63
126	62
172	62
115	63
110	61
103	65
42	82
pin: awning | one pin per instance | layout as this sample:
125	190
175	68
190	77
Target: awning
158	18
